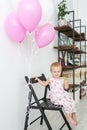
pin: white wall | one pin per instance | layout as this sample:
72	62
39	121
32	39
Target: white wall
18	60
80	7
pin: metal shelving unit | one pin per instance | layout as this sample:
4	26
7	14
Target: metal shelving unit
71	50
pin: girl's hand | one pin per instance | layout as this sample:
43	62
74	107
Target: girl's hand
36	78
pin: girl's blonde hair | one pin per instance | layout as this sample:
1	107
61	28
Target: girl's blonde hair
55	64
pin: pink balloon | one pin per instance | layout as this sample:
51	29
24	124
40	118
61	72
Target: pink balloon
44	35
14	28
29	13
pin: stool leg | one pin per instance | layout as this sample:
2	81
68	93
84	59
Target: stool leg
28	110
26	120
66	122
41	121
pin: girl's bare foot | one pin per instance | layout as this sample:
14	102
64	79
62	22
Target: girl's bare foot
74	118
71	120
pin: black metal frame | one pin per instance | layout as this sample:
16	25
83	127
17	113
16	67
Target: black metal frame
42	104
74	26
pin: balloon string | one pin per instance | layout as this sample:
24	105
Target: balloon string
31	54
33	51
28	50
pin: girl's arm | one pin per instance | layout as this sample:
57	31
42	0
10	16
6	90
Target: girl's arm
43	83
66	84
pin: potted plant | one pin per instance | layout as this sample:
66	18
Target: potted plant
62	12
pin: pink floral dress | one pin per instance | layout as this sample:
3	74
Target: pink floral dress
59	96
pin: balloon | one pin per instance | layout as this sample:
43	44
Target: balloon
14	28
44	35
29	13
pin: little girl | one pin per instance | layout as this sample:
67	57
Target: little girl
58	95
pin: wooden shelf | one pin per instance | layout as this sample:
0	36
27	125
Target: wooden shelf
71	85
82	66
69	31
70	67
70	49
77	51
65	47
75	86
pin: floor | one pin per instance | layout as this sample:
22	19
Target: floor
56	120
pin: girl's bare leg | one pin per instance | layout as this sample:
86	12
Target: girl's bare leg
74	116
71	119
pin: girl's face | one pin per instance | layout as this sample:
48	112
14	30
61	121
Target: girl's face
56	72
